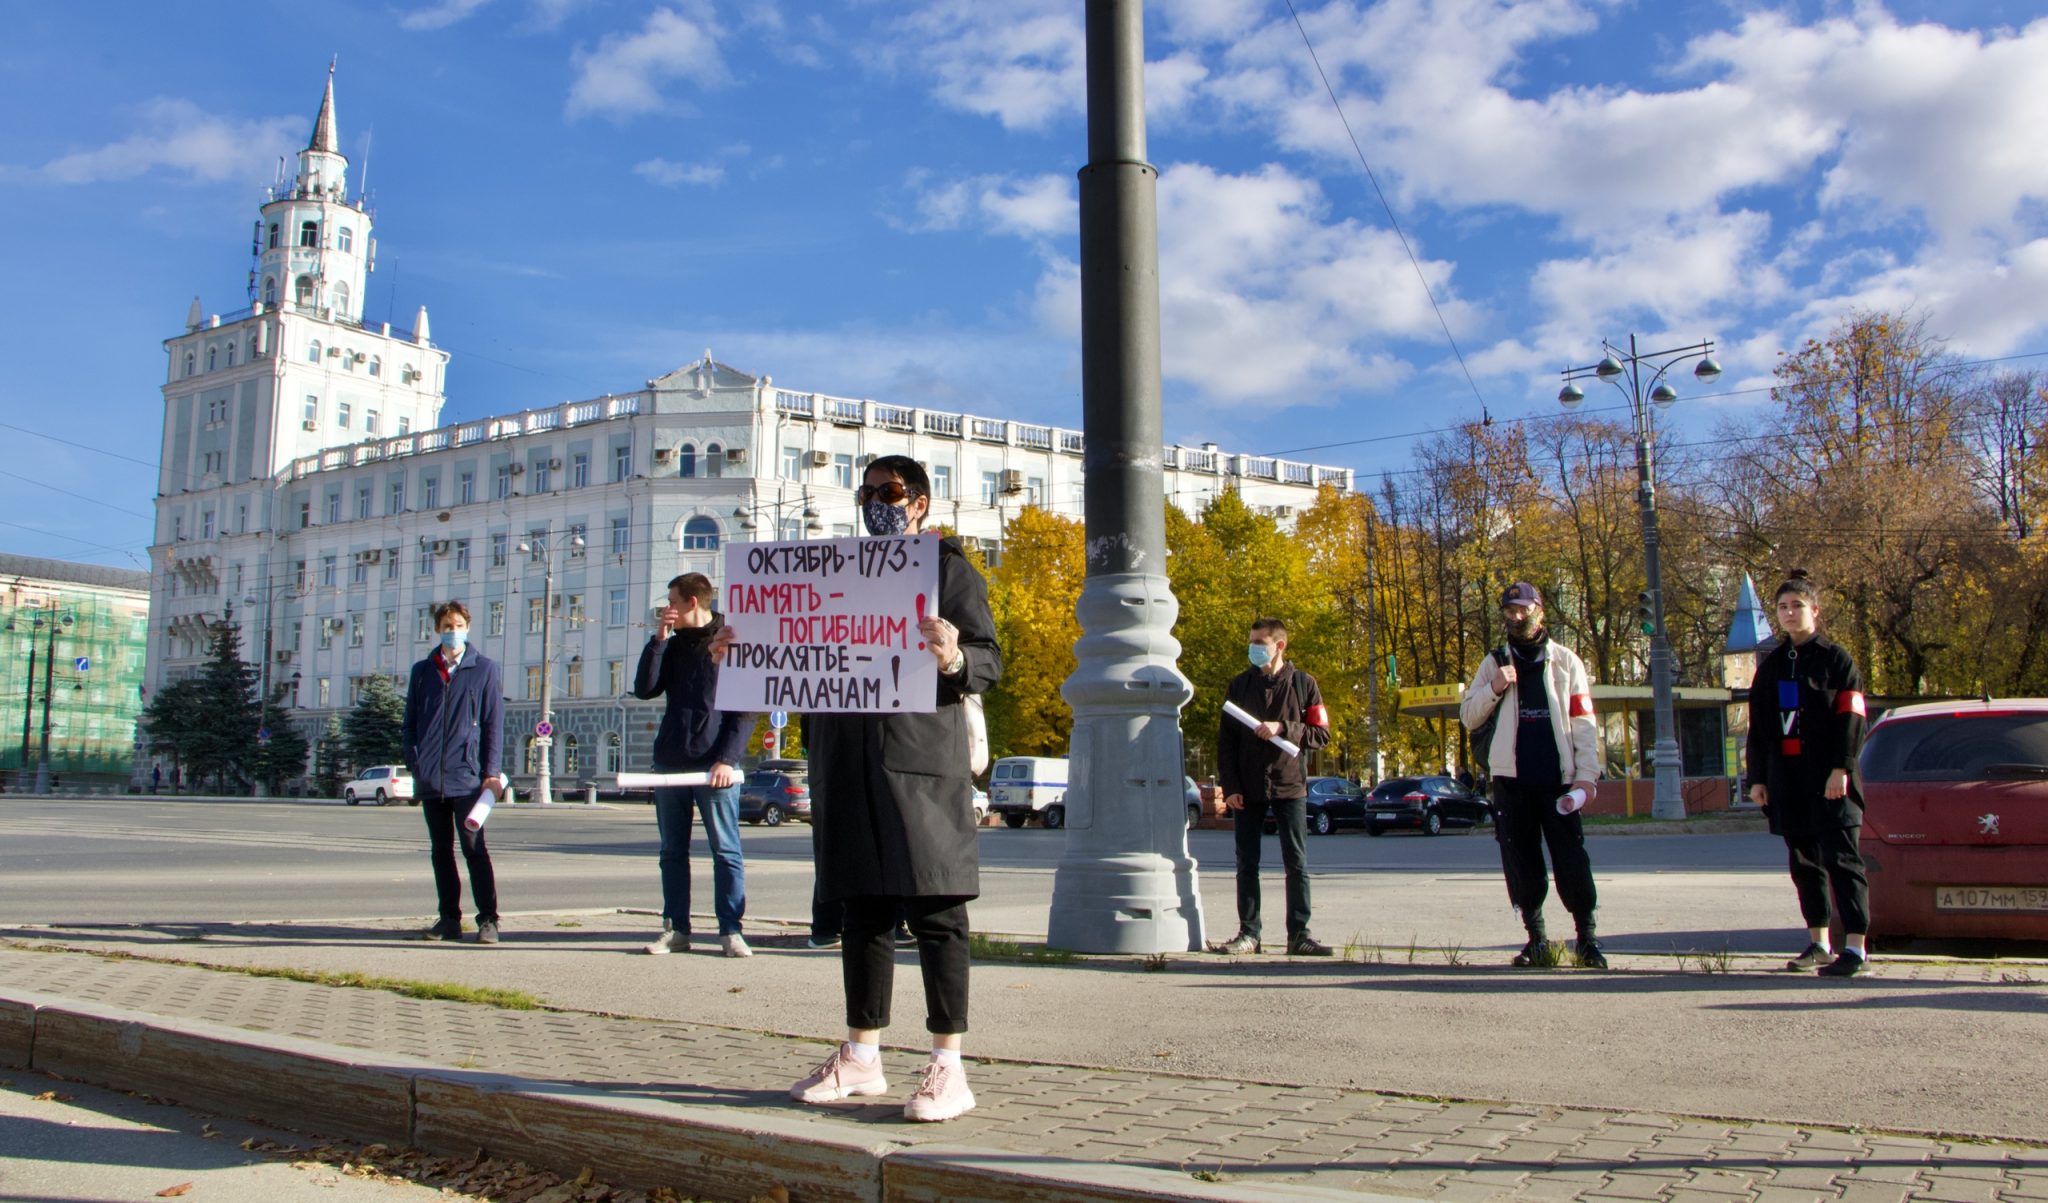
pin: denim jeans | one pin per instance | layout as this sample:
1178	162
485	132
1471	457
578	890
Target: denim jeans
1291	818
720	809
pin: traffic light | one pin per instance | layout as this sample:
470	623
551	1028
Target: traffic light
1646	618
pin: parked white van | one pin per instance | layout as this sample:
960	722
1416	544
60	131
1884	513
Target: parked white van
1021	786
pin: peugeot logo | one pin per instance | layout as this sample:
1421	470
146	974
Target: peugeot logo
1987	824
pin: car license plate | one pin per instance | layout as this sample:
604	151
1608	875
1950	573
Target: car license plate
1385	815
1991	898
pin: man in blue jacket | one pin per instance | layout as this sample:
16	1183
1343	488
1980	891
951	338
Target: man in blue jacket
681	661
454	727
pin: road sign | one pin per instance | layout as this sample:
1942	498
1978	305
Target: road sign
777	719
82	664
768	742
543	728
262	735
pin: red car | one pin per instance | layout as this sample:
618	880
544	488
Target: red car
1955	821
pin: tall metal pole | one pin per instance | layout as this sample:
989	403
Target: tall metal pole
1125	883
1372	655
544	779
262	790
43	760
28	699
1668	802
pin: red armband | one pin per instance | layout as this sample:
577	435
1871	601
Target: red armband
1316	716
1848	701
1582	705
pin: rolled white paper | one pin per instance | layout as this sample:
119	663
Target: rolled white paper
479	813
1572	801
1238	712
661	780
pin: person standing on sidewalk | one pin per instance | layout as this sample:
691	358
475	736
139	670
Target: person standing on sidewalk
1806	724
454	729
1258	776
1538	696
681	661
893	809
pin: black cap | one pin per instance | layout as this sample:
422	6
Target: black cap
1521	593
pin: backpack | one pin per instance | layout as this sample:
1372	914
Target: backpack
1479	741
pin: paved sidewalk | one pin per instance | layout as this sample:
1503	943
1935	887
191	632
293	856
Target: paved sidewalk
1269	1134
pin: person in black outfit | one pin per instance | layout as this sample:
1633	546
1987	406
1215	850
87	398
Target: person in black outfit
1257	775
454	727
1806	722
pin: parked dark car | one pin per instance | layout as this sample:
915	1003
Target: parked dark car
1425	804
1955	820
772	795
1334	802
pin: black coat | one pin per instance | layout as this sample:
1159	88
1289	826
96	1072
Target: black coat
892	796
1827	730
694	733
1259	769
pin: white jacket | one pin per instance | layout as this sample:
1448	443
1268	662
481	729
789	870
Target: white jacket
1571	715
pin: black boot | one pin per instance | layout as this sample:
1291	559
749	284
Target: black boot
1534	954
1588	947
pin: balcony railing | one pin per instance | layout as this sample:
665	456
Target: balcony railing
989	430
947	425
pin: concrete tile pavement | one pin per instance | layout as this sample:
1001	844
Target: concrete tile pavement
1267	1139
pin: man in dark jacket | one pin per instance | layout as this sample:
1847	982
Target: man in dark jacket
454	726
893	805
1258	775
681	661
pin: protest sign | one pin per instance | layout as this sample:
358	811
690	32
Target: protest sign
830	626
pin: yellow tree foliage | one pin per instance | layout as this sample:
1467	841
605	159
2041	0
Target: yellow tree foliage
1032	595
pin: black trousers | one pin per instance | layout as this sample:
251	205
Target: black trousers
867	959
1525	820
444	823
1824	862
1291	818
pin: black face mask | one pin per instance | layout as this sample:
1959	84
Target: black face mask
1524	631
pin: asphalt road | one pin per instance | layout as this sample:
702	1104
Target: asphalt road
168	861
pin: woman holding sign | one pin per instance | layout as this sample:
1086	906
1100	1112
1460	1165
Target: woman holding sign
893	811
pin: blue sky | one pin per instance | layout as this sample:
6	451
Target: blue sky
875	199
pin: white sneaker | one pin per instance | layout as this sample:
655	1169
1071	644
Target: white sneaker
670	941
840	1076
736	945
941	1094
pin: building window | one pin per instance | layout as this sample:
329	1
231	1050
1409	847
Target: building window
532	691
369	420
426	563
462	555
273	236
465	488
376	365
355	630
191	363
206	524
622	461
327	571
430	492
391	563
579	470
504	481
362	501
579	540
569	750
612	742
536	545
326	689
326	628
1034	490
344	238
177	529
299	575
700	534
714	460
270	288
309	233
615	608
341	414
313	351
501	550
425	623
359	572
404	427
210	353
497	618
333	508
390	627
576	607
230	354
573	687
842	471
622	536
310	411
397	497
533	617
686	455
991	487
543	476
792	463
242	519
302	291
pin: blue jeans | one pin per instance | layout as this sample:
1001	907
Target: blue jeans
721	811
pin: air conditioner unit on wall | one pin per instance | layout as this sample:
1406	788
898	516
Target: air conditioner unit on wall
309	424
284	656
663	455
1013	480
820	458
735	455
517	469
333	351
370	557
440	547
554	465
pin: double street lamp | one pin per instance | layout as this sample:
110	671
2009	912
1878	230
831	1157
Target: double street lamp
544	740
46	616
290	591
745	516
1631	372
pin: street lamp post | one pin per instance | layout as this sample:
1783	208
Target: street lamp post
49	655
544	777
745	515
1625	370
269	599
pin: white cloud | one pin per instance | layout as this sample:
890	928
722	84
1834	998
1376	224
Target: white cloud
440	15
1035	207
177	136
625	74
671	174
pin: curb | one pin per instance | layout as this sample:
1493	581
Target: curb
727	1146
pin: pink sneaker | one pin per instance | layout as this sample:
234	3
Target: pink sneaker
941	1094
840	1076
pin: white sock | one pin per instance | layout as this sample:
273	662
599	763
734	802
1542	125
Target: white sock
866	1054
946	1056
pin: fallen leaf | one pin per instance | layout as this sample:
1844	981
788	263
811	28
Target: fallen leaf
51	1096
209	1131
172	1192
736	990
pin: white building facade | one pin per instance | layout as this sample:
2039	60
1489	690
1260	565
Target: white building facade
310	495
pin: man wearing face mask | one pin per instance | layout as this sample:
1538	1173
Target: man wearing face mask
1545	736
893	830
1258	775
454	725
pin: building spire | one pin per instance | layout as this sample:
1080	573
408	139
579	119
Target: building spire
323	125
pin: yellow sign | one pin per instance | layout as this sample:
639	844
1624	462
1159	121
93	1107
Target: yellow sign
1429	695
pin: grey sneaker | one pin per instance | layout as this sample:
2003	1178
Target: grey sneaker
487	932
443	931
822	942
669	941
1305	945
1813	958
1238	945
735	945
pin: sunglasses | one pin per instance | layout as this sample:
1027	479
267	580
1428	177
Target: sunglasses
888	492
